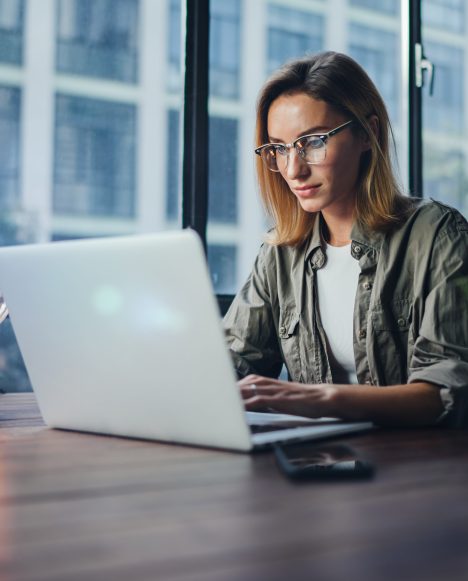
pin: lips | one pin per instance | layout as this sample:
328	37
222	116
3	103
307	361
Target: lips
305	191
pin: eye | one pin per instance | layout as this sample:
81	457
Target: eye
281	149
311	142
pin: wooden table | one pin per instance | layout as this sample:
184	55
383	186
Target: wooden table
83	507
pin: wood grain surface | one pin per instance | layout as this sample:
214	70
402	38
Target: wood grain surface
77	506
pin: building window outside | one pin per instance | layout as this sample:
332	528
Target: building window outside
378	52
444	110
10	103
98	38
95	157
446	178
11	31
384	6
172	173
222	260
292	33
173	46
448	15
225	48
222	173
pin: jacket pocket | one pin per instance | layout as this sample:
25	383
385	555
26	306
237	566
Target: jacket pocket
288	333
395	317
391	324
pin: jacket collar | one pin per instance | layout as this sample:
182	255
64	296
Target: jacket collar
363	242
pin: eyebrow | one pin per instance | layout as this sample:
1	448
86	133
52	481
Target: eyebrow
318	130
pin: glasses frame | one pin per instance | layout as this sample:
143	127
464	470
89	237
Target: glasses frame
324	137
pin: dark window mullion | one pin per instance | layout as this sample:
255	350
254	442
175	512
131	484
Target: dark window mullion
195	125
415	160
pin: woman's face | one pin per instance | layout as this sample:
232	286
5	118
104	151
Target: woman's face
329	186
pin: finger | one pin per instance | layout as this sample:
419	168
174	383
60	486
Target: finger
282	404
256	389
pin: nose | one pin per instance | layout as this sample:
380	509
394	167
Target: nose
296	166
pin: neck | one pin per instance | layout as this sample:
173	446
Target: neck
338	228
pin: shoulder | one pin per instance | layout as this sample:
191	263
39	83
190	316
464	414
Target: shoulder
434	216
429	222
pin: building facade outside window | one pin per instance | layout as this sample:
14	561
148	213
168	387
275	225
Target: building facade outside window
98	38
11	31
10	106
292	33
95	157
378	52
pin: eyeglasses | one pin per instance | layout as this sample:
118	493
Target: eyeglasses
311	148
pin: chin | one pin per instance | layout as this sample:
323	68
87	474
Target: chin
311	206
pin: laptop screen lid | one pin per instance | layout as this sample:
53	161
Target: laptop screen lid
123	336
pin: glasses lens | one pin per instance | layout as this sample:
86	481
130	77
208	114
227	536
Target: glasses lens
269	156
312	149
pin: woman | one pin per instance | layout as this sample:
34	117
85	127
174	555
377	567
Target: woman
360	291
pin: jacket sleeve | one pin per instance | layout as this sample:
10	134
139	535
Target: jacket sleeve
441	350
250	326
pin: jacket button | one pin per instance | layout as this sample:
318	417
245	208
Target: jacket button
282	330
401	322
362	334
357	249
367	285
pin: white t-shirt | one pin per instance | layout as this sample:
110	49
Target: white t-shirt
336	287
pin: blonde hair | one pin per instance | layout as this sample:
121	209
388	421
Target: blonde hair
342	83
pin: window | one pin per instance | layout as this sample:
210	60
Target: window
292	33
223	170
98	38
10	101
444	110
385	6
224	48
173	45
445	130
448	15
172	167
222	260
95	155
11	31
377	51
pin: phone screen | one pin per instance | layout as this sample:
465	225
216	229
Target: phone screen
324	461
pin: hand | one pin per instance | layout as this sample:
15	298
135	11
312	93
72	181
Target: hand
288	397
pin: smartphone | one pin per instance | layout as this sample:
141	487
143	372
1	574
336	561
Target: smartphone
329	461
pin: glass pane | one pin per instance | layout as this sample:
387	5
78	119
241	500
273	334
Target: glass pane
11	31
248	40
445	133
89	142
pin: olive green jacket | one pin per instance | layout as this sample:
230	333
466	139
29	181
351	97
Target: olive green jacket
410	314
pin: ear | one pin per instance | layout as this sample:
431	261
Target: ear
374	125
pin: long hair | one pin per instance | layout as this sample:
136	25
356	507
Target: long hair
343	84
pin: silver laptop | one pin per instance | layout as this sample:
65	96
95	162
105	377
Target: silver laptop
123	336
